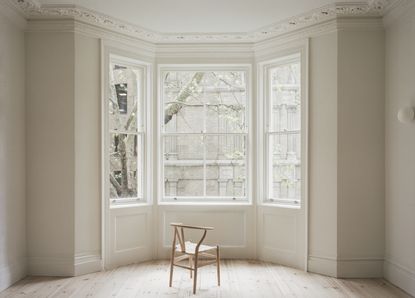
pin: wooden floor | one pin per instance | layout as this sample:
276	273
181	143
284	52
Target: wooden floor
239	279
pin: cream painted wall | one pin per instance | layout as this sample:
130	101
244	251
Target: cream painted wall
360	180
12	151
50	152
346	213
87	154
323	155
400	148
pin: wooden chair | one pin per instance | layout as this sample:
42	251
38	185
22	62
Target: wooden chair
196	254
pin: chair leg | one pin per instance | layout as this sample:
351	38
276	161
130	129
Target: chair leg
195	275
171	268
218	263
190	265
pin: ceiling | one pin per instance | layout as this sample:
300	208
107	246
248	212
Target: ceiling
199	16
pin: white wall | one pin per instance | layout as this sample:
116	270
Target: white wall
400	148
346	214
323	155
87	154
50	152
360	181
12	149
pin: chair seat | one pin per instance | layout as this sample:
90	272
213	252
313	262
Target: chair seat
190	248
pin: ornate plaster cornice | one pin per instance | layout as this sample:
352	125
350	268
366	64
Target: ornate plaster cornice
369	8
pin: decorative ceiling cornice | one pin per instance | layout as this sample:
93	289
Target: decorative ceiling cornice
369	8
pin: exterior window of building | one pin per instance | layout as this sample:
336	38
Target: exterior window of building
283	132
204	134
126	132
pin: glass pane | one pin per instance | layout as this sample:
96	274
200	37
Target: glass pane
226	179
226	101
125	166
124	98
184	179
285	168
183	165
225	147
225	170
285	97
183	147
195	100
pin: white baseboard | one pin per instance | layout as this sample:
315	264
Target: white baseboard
346	268
51	266
322	265
360	268
400	276
12	272
87	263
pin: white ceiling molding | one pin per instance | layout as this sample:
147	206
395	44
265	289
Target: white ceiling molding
369	8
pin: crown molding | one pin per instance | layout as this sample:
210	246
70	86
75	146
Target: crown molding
363	9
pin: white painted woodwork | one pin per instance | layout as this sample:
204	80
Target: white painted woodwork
234	227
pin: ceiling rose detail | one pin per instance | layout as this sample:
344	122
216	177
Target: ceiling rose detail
370	8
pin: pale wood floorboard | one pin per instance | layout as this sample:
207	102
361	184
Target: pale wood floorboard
240	279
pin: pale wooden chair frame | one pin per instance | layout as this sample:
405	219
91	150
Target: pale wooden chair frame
192	252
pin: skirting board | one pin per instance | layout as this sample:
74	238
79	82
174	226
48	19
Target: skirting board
400	276
12	272
346	268
85	264
322	265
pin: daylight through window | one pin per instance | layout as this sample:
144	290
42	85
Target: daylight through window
283	160
125	110
204	134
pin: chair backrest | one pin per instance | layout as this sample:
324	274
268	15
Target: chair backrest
179	234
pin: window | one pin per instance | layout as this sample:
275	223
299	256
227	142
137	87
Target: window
204	134
283	131
126	131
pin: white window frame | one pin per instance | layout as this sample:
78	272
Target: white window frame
162	199
145	95
264	177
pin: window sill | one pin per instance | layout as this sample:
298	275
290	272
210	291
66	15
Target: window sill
280	205
129	205
211	203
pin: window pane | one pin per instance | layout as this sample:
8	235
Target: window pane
285	97
183	147
183	165
224	179
125	166
124	98
225	147
225	170
183	179
225	101
285	139
197	101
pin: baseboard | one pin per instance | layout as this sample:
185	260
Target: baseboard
12	272
400	276
322	265
51	266
346	268
87	263
360	268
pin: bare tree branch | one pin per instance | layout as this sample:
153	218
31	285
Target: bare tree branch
187	91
